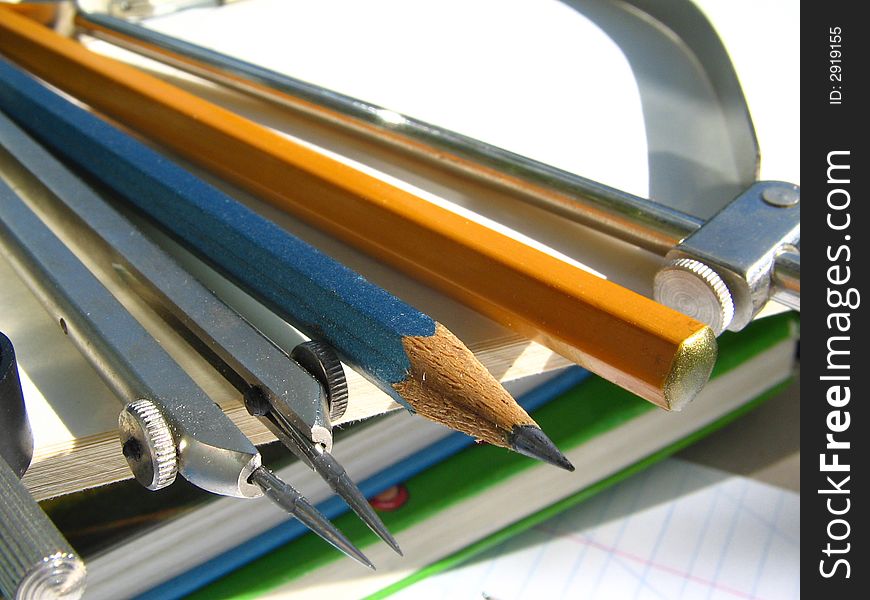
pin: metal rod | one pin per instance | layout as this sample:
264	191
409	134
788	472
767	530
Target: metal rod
639	221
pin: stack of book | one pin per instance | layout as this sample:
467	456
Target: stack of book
459	498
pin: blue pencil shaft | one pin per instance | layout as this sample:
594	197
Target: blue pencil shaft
324	299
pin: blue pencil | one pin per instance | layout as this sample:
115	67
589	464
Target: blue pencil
406	353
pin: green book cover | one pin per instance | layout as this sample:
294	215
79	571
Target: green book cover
589	410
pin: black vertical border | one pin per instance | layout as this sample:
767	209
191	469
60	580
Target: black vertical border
827	126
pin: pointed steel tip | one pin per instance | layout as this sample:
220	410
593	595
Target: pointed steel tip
295	503
344	486
530	441
367	514
370	518
363	560
331	471
389	541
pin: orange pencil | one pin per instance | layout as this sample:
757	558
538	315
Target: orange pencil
651	350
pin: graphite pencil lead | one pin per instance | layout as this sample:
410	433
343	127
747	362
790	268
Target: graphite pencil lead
447	384
294	503
531	441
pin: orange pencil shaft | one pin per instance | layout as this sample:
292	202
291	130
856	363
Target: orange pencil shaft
638	344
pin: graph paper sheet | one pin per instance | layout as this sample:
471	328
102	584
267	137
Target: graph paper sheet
677	530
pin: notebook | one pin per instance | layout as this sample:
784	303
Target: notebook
676	530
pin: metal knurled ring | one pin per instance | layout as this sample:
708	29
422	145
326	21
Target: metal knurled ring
694	289
148	444
319	359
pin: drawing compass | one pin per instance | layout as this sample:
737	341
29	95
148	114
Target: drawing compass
169	425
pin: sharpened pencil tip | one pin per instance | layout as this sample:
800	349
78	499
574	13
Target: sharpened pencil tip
294	503
531	441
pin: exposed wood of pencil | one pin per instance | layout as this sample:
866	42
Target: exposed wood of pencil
647	348
451	387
